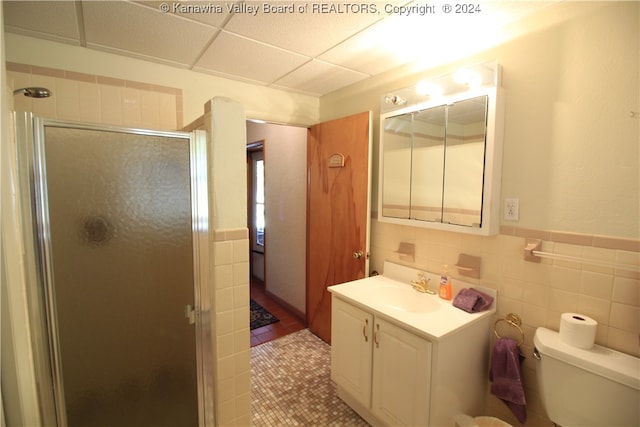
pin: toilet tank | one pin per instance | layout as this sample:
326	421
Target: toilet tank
595	387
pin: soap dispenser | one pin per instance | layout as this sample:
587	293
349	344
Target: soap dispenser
445	285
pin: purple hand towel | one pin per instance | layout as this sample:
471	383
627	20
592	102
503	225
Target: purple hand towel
506	378
472	300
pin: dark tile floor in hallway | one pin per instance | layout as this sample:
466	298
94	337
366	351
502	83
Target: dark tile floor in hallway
288	323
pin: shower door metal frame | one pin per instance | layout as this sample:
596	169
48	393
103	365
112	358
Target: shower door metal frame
200	238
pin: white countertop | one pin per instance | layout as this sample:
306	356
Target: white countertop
428	315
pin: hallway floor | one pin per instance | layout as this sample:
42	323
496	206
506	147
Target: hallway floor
288	323
291	385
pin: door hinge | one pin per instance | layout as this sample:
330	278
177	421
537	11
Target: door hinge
190	313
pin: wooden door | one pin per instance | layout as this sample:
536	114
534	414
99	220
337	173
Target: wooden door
338	173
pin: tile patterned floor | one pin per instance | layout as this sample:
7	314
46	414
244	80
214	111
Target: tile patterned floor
291	385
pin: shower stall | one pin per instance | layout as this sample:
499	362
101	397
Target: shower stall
118	301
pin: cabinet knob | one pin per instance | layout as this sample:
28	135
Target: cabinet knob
364	330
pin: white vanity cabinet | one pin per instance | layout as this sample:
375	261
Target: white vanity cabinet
401	358
351	350
381	366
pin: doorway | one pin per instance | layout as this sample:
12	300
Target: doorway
120	227
304	183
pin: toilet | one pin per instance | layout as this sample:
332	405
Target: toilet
595	387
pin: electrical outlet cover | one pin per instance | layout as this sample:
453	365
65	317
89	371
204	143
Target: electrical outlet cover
511	209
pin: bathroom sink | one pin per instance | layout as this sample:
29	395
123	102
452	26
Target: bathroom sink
393	298
405	299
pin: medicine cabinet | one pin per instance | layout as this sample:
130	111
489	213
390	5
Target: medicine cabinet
440	160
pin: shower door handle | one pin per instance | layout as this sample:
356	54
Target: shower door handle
190	313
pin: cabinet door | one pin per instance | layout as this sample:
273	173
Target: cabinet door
401	376
351	337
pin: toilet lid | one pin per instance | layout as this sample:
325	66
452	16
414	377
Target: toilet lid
617	366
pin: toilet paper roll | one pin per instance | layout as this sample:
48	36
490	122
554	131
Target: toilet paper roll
578	330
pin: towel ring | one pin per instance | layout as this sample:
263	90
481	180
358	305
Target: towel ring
512	320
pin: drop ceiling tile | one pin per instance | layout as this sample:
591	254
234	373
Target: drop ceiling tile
319	78
373	50
212	13
54	20
230	54
307	33
130	27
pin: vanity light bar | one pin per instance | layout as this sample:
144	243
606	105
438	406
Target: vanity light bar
467	78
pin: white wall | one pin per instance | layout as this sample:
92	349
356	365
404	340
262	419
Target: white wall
570	147
285	154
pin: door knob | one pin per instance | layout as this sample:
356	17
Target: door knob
358	255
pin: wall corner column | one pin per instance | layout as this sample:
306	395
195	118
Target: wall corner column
225	123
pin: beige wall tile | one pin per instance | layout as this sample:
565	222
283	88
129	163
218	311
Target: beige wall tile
226	368
97	99
89	102
150	110
241	250
224	321
67	99
626	291
223	252
563	301
567	279
625	317
241	362
240	318
224	299
597	308
596	284
110	105
223	276
130	105
240	296
241	273
224	345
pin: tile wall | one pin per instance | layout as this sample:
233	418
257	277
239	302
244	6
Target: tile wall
231	326
97	99
538	293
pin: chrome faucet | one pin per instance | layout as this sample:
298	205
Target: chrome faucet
422	284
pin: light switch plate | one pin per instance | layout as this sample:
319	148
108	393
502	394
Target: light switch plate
511	209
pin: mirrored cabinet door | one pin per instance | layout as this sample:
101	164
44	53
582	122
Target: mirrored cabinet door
441	163
464	162
429	130
396	182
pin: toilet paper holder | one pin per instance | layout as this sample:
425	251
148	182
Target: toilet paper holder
512	320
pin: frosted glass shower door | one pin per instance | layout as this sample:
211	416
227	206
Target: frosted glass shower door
121	274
